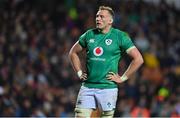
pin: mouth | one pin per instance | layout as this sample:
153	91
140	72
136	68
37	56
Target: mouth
98	24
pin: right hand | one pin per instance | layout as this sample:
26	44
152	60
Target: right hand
83	77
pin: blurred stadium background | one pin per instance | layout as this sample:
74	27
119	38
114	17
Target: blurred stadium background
36	78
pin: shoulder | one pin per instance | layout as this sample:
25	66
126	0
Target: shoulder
92	31
88	34
119	32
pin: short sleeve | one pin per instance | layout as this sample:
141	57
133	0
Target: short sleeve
82	40
126	42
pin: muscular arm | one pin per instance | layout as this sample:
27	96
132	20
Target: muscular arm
75	61
74	58
136	62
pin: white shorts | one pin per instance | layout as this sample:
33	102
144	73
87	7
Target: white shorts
105	99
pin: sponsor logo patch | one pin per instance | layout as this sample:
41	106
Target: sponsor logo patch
98	51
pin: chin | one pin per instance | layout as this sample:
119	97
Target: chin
98	27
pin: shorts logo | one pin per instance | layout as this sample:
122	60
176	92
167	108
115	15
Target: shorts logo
98	51
79	102
109	104
108	41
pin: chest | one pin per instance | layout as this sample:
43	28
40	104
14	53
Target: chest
107	44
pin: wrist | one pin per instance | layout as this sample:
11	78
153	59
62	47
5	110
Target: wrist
123	78
79	73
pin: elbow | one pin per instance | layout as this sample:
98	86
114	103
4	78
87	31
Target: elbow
141	60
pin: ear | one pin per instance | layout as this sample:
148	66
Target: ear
111	21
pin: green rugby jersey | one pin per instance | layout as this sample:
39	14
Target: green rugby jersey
104	51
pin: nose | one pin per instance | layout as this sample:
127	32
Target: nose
97	18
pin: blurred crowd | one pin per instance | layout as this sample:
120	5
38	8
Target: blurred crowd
37	80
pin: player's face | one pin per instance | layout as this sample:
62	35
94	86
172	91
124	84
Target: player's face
103	19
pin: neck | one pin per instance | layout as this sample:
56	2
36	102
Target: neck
106	29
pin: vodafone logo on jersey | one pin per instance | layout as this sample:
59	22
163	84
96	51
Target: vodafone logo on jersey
98	51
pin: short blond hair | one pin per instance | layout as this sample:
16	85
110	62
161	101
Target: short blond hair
109	9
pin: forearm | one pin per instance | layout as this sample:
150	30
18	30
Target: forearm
74	58
133	67
75	61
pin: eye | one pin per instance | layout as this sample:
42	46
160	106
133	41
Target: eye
97	16
102	16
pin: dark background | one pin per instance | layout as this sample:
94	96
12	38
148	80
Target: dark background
36	78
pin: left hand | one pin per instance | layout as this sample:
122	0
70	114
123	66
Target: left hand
114	77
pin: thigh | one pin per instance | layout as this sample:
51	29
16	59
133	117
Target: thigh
86	98
81	112
107	98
